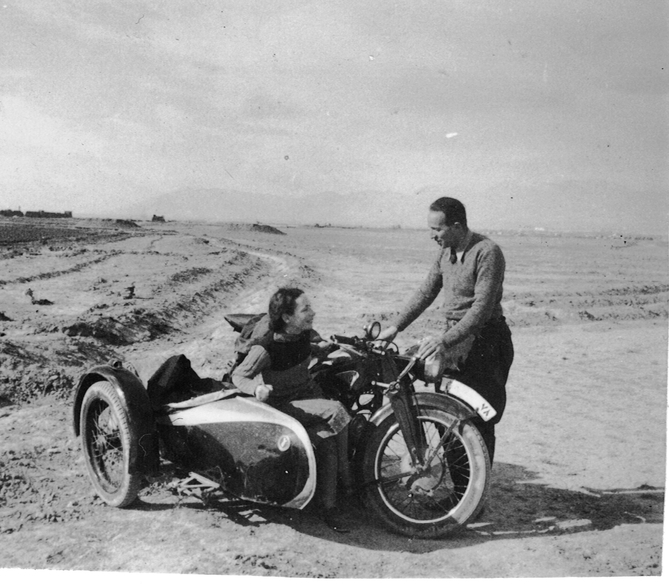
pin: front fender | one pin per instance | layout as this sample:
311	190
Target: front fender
430	399
135	401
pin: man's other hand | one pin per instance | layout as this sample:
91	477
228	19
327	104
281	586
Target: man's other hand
429	345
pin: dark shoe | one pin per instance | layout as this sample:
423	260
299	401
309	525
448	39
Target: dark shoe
333	519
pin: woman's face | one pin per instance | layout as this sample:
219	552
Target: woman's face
303	317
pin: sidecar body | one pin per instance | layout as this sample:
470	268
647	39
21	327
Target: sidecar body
253	450
248	449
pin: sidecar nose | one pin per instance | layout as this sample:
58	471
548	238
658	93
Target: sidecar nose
263	454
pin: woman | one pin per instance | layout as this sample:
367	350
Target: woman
276	371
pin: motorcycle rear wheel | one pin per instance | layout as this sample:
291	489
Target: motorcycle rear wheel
429	505
106	443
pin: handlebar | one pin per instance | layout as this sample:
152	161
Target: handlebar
355	341
368	345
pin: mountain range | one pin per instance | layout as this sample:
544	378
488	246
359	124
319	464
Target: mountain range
567	205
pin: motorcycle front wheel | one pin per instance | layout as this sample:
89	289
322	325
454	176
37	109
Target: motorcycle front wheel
105	439
449	491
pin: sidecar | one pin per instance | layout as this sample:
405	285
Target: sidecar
243	447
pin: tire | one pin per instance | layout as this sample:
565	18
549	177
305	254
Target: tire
433	504
106	442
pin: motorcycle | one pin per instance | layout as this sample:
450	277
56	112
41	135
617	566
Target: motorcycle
420	464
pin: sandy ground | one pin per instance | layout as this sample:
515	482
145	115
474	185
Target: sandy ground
578	483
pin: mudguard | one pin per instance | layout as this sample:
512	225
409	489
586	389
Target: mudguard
448	404
468	396
135	400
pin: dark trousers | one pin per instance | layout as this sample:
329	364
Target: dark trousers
487	366
486	369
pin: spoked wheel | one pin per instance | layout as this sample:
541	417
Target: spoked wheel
447	493
106	441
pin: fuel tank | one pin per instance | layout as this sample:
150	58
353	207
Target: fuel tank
253	450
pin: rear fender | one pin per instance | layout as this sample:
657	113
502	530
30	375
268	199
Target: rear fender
135	400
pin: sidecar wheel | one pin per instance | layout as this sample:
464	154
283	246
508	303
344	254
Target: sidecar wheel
105	439
444	497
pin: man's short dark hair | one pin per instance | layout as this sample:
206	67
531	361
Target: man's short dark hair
454	210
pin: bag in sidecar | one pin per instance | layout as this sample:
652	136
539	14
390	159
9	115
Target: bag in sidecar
175	381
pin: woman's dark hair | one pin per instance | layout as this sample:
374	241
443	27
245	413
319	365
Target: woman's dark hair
282	301
454	210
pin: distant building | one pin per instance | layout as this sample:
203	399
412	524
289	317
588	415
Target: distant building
11	213
158	219
44	214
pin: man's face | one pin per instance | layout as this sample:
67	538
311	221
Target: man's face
446	236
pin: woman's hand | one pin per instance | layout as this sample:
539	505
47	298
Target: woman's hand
325	345
322	348
262	392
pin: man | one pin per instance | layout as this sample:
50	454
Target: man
470	271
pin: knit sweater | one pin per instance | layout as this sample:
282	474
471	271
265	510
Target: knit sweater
281	361
472	289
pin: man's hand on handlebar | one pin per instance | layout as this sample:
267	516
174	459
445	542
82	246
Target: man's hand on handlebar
388	334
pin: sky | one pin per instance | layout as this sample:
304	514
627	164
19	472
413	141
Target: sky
545	114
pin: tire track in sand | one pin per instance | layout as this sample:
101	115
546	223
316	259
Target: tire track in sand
209	344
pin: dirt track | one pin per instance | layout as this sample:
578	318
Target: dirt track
578	486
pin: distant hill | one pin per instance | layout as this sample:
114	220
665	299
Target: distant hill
362	208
